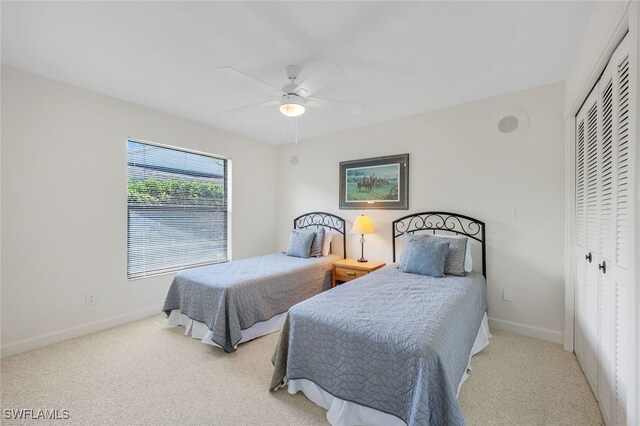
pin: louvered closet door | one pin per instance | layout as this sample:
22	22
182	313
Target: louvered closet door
603	215
621	236
581	251
592	147
606	234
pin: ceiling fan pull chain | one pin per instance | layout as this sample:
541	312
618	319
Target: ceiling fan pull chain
296	129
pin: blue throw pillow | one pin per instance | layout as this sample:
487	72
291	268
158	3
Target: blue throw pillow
300	243
426	257
454	265
408	239
456	256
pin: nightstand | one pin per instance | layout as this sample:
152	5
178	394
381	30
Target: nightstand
350	269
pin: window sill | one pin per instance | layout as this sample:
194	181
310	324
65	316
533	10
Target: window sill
175	270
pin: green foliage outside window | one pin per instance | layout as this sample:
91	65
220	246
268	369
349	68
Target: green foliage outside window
173	191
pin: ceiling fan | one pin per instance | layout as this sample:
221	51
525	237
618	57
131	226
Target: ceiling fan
294	98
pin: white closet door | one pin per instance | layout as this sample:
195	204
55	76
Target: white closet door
581	252
606	246
622	192
603	218
591	326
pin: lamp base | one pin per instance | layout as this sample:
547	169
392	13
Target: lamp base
362	259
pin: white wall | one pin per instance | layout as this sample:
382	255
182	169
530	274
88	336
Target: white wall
600	37
64	210
455	165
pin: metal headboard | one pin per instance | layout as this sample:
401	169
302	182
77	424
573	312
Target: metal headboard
441	221
327	220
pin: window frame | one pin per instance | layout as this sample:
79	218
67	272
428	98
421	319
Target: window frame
227	191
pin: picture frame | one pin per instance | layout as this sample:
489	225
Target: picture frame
375	183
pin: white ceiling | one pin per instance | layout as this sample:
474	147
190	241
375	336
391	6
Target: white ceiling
401	58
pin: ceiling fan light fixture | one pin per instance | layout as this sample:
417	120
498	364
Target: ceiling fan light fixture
294	98
292	110
292	105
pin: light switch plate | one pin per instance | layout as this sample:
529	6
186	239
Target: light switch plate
510	213
507	295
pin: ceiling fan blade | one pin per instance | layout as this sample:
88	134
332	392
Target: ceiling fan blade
253	106
245	77
321	78
328	103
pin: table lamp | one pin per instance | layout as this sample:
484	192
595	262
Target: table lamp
362	225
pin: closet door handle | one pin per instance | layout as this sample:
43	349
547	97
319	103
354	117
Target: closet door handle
603	267
589	257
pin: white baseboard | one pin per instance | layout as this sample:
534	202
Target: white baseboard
527	330
80	330
69	333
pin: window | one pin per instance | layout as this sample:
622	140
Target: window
177	209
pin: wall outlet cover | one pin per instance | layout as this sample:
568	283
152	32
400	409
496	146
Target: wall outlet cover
90	299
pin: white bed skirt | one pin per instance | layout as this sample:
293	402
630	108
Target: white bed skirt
199	330
346	413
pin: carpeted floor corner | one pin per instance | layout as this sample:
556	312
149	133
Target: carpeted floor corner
145	373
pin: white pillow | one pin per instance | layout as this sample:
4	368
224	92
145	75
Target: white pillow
326	244
468	260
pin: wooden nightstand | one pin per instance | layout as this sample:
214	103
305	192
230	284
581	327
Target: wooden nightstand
350	269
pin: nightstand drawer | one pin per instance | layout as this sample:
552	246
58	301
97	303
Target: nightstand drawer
347	274
349	269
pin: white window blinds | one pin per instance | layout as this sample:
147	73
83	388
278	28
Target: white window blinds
177	209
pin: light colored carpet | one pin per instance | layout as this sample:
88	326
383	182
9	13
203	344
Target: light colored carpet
147	373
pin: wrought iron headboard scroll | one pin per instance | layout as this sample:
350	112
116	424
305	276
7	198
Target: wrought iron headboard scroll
441	221
327	220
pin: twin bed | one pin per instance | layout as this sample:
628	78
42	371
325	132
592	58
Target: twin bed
234	302
390	348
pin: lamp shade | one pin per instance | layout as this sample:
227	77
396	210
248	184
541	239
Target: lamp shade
362	225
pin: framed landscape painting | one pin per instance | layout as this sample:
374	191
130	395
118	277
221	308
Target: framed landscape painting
375	183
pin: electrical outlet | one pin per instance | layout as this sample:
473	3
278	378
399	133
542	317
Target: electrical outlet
90	299
507	295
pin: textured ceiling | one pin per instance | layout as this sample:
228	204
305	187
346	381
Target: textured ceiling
400	58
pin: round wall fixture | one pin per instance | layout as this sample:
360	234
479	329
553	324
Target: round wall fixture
508	124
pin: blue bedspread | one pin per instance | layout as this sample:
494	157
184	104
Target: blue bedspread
392	341
230	297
